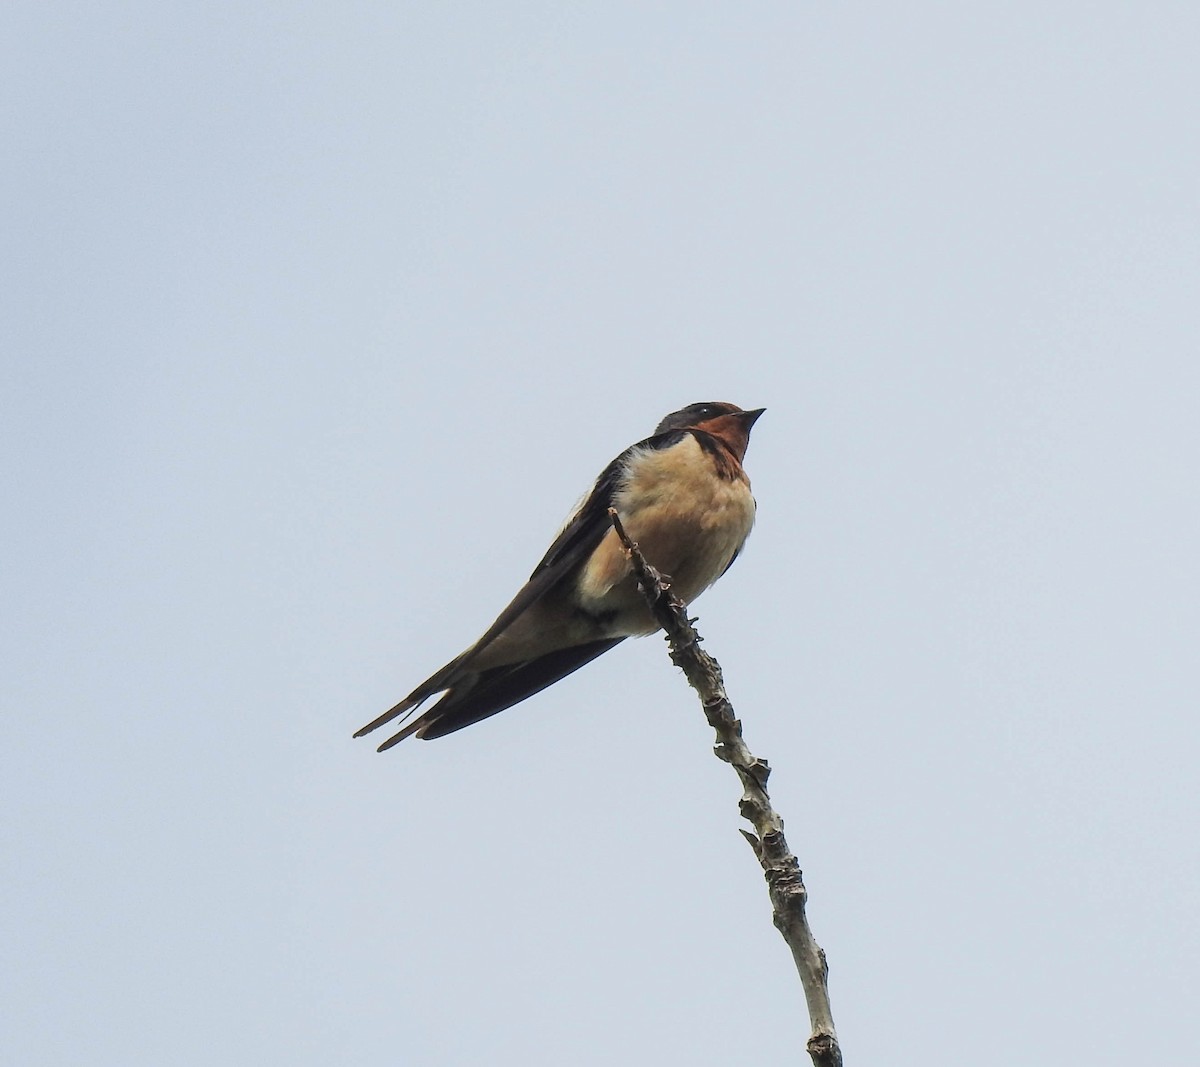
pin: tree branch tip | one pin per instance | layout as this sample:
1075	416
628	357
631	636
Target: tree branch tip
615	519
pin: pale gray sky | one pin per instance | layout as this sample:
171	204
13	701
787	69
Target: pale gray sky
315	319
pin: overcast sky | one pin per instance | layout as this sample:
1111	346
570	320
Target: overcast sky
315	319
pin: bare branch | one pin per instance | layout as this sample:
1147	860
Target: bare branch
785	882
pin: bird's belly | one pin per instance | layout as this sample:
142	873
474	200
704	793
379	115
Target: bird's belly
693	546
688	521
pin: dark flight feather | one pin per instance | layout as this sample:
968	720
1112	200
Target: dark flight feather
498	689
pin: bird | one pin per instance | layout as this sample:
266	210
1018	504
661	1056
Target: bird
682	494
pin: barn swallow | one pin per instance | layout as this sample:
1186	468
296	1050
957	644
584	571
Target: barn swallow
681	494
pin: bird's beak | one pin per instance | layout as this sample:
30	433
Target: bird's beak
751	417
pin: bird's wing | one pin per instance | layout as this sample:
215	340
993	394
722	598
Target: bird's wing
501	687
576	541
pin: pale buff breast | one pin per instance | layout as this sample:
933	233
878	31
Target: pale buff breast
688	522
